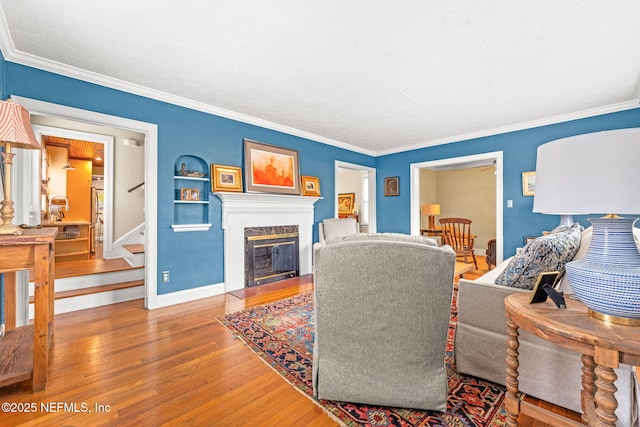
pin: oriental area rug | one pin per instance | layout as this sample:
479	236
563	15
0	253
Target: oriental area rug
282	334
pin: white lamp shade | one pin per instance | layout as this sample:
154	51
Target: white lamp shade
596	173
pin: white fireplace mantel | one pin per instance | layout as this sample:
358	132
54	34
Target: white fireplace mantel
242	210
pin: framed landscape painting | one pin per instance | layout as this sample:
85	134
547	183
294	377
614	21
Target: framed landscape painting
271	169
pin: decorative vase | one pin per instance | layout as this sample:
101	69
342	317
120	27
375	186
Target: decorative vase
607	279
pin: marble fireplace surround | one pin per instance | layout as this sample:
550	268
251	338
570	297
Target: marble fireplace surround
242	210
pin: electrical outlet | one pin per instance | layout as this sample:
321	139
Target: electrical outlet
509	203
165	276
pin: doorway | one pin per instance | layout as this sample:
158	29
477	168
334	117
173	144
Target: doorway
100	221
361	180
150	132
465	162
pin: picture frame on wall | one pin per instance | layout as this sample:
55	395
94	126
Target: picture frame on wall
392	186
528	183
271	169
310	185
346	203
226	178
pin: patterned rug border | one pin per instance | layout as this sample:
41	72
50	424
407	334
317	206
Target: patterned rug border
330	408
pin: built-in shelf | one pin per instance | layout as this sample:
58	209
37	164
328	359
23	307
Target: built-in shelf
191	215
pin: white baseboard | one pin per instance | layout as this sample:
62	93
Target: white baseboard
186	295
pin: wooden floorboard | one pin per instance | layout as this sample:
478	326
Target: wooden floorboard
170	366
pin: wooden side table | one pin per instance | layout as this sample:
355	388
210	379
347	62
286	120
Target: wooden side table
603	346
24	351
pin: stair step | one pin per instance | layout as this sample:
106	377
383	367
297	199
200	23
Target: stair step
95	290
135	249
91	266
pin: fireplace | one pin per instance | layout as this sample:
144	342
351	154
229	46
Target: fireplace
271	254
247	210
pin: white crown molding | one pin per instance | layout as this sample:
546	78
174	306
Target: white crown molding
613	108
18	57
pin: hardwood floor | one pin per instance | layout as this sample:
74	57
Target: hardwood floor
171	366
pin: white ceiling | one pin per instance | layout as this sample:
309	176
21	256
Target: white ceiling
373	76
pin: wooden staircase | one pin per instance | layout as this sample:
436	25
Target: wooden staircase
135	254
93	283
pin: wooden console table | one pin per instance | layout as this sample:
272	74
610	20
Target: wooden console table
24	351
603	346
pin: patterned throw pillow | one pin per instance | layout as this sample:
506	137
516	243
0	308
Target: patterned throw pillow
546	253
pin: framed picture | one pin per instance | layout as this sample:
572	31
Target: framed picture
528	239
392	186
271	169
195	194
310	185
226	178
528	183
538	293
346	202
185	194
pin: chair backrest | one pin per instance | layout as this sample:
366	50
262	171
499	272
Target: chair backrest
457	233
336	227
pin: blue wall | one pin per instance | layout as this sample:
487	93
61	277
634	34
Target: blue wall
194	258
519	155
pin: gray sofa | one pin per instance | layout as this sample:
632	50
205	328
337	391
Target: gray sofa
382	308
547	371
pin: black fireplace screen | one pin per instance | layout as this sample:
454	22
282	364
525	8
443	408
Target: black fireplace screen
271	257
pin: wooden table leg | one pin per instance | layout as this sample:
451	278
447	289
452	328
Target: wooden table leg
587	395
606	402
9	301
512	400
42	317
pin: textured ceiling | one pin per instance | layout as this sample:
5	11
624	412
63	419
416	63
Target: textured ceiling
373	76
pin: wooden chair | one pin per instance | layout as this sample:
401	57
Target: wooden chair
457	234
491	253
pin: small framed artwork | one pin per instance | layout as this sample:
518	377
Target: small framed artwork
226	178
271	169
310	185
528	183
346	202
538	293
195	194
392	186
185	194
529	239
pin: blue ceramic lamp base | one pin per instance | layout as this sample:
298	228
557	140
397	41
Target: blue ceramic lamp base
607	279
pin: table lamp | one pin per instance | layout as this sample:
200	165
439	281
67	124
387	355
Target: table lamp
598	173
431	210
15	132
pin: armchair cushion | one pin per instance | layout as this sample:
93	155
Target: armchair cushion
546	253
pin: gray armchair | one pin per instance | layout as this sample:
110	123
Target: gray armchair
382	308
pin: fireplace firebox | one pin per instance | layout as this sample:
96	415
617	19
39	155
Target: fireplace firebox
271	254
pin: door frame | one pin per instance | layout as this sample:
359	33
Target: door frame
150	131
495	157
371	172
108	142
